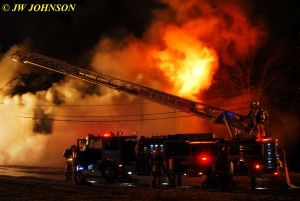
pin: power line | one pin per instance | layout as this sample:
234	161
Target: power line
105	121
138	103
112	121
102	116
15	78
85	105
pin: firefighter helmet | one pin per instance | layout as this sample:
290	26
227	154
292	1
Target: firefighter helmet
257	103
253	104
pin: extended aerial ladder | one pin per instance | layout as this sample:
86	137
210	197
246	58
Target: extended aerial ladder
217	115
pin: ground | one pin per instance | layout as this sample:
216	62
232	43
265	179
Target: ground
31	188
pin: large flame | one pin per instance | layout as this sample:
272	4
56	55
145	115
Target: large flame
186	61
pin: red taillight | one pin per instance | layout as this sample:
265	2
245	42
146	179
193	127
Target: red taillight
204	158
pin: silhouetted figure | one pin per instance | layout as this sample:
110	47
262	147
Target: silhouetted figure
257	117
222	168
68	155
158	168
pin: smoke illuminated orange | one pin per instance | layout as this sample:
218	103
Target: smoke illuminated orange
186	61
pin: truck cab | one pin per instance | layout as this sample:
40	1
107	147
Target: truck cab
107	154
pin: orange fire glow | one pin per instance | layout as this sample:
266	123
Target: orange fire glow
186	61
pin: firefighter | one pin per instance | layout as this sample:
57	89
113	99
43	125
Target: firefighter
258	116
222	168
231	171
252	117
78	177
261	118
69	164
75	164
158	168
171	172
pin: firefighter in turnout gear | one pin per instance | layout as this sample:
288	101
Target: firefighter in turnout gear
158	168
257	117
75	164
223	169
68	153
261	117
252	117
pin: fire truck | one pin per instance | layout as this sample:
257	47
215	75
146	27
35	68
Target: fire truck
190	153
114	155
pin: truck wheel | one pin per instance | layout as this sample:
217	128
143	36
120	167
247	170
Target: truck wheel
110	172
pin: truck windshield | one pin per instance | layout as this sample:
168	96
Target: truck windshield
95	143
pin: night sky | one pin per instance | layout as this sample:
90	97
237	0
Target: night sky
72	36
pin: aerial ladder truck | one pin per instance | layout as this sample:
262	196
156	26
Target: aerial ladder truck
256	156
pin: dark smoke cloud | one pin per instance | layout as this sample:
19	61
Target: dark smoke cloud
35	82
42	121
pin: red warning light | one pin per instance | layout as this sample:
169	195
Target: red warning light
257	166
203	158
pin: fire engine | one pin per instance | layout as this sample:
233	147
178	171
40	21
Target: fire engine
190	153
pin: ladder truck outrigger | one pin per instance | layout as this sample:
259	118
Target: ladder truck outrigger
251	156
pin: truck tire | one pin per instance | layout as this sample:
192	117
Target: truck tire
110	172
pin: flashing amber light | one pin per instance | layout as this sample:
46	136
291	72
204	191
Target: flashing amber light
265	139
106	135
202	142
